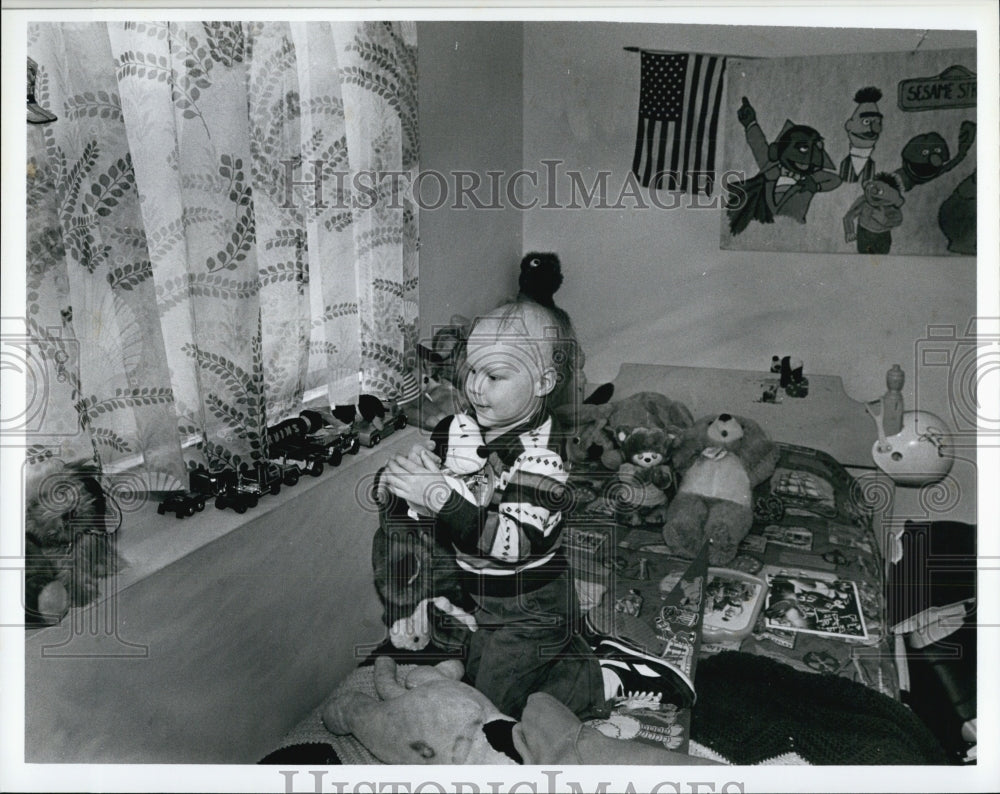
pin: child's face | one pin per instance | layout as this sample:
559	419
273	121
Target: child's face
505	379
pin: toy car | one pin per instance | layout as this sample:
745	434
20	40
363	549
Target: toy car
182	503
237	498
210	483
369	432
304	458
266	477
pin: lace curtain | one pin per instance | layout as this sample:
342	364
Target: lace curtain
216	226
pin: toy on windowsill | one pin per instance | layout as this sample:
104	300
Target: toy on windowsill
234	490
202	486
378	420
334	435
182	504
720	460
438	395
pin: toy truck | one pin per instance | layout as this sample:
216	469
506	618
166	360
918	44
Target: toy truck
182	504
371	432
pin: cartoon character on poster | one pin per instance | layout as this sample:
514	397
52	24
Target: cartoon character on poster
863	128
901	129
793	169
876	212
926	156
957	217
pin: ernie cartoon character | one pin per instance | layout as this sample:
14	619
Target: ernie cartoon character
874	214
793	169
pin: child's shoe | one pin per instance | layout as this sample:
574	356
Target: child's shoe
630	673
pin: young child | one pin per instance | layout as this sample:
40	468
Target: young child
518	358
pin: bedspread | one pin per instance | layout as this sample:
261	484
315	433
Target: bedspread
811	548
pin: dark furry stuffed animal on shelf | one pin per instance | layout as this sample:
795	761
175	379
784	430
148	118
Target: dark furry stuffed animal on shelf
69	547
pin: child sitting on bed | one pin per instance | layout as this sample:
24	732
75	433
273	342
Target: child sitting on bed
518	358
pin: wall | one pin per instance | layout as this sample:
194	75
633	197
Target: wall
470	119
654	286
216	656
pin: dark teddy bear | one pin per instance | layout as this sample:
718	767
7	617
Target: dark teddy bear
719	461
600	430
646	476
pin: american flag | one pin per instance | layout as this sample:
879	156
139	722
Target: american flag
679	100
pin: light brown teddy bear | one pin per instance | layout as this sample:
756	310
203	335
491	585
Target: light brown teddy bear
430	718
719	461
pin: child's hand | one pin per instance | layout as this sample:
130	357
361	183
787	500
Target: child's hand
421	452
422	486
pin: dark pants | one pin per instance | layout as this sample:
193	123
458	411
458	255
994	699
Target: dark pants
870	242
528	642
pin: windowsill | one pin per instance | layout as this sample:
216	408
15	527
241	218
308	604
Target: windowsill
148	542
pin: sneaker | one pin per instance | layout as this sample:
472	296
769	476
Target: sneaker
631	674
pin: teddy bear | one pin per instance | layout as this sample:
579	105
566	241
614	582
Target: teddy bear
413	572
432	717
69	526
645	478
599	430
429	718
719	461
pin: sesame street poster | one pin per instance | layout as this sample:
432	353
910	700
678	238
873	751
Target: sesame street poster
871	154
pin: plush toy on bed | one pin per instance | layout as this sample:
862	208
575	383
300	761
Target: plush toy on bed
601	429
645	476
430	718
413	573
719	461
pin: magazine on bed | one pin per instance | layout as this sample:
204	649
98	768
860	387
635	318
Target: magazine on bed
813	603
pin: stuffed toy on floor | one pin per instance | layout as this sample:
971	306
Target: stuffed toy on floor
719	460
430	718
69	542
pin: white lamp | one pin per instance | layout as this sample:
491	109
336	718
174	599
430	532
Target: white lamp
919	454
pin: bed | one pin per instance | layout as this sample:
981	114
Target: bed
772	691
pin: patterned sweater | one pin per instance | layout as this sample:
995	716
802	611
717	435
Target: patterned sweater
521	526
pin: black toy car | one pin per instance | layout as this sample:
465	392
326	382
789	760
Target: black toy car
371	433
182	503
210	483
302	458
266	477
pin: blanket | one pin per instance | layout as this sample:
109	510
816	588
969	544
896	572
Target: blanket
751	710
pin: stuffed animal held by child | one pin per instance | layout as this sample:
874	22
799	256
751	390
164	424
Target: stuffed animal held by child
421	574
719	460
430	718
645	477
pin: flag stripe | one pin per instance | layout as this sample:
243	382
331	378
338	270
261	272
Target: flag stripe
680	101
703	112
649	151
640	135
713	128
691	90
